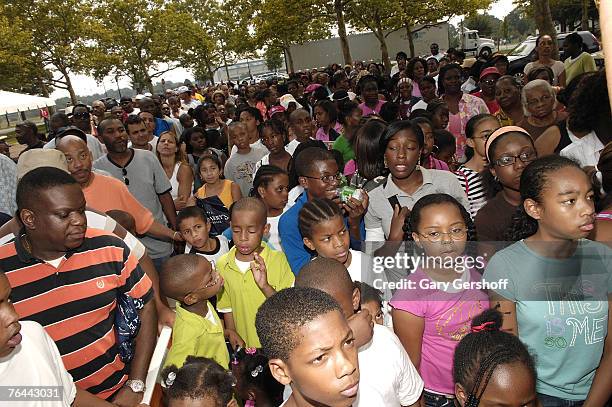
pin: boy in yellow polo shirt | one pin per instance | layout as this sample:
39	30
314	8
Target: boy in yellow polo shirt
191	280
251	270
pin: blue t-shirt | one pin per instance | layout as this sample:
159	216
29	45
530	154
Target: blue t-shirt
561	311
291	238
161	126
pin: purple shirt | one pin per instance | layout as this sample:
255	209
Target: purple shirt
365	110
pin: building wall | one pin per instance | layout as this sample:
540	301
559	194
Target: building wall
365	47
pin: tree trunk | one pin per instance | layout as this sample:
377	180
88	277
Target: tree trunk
410	39
384	52
73	97
346	52
289	59
148	82
225	63
544	23
584	21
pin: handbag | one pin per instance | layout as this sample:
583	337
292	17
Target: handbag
216	213
127	325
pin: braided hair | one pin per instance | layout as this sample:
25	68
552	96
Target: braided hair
534	178
198	378
265	174
484	349
317	211
253	372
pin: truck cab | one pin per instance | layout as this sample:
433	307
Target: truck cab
473	44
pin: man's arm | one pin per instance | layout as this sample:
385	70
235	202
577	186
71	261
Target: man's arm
165	315
145	344
167	204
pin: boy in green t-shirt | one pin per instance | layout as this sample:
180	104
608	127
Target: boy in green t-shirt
191	281
251	270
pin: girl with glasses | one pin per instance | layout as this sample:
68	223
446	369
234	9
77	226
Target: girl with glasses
432	315
508	151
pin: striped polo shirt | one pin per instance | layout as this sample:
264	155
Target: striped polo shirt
76	303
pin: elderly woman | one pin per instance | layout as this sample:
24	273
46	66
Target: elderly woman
508	96
539	102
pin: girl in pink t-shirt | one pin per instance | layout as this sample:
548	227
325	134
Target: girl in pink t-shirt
434	310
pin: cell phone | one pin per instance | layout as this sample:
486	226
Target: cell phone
394	201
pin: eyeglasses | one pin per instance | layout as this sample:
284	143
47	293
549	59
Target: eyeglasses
526	157
455	234
213	281
535	101
328	179
125	178
83	115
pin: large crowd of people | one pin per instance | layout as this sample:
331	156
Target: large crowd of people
265	223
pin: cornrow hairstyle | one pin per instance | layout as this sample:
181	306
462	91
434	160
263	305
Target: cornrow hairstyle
191	212
255	373
368	293
412	221
435	105
281	316
265	174
491	185
534	178
398	126
316	211
480	352
443	71
198	378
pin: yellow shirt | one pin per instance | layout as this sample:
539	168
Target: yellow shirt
193	335
240	294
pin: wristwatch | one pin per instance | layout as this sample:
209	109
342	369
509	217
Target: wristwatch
137	386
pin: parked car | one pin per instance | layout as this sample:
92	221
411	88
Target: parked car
525	52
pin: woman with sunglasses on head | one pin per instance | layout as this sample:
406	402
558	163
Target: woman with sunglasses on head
558	285
508	151
402	145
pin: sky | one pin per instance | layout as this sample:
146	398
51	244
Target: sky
85	85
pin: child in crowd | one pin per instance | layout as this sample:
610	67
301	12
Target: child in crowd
427	158
195	228
240	165
508	150
371	299
199	382
349	115
388	377
477	130
438	109
551	266
324	232
302	128
271	185
29	357
310	347
124	219
367	87
217	194
431	321
326	116
192	281
274	137
445	147
251	270
255	384
491	365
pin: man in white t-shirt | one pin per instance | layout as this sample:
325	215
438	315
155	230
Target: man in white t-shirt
29	357
435	51
388	377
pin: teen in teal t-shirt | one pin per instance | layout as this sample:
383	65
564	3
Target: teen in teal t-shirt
559	285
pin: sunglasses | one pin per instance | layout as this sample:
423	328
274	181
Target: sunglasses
125	178
83	115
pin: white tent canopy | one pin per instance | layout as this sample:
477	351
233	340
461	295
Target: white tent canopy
11	102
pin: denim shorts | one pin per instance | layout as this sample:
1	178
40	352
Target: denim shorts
552	401
437	400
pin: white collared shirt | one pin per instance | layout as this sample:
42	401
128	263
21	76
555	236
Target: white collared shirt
585	150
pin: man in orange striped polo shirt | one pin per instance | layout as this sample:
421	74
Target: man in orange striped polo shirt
68	277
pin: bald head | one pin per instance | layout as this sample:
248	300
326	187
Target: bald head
326	274
78	158
182	274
